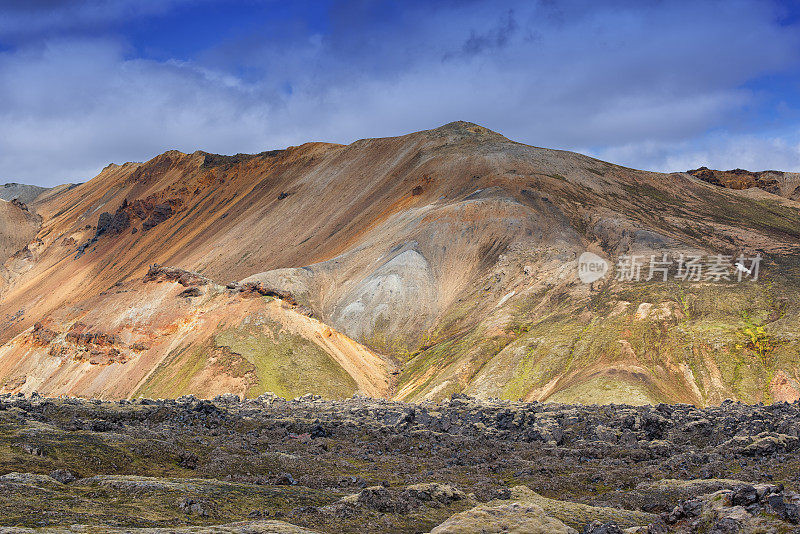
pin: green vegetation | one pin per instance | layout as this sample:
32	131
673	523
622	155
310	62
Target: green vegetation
605	390
287	364
595	171
768	216
173	377
264	357
640	190
699	343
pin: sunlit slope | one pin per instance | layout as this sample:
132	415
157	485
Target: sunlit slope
451	253
161	338
17	228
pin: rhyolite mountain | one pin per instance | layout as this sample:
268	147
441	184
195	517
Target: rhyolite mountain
411	267
21	192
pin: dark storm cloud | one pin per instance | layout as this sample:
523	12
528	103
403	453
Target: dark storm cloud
494	38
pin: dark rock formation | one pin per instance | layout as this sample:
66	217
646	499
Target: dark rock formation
113	224
161	212
157	273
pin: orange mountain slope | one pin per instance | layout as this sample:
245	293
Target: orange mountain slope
413	267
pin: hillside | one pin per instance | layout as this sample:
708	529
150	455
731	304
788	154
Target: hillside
18	227
24	193
412	267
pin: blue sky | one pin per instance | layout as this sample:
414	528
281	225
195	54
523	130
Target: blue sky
661	85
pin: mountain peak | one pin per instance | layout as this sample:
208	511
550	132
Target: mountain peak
464	129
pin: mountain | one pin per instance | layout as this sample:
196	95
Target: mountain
410	267
24	193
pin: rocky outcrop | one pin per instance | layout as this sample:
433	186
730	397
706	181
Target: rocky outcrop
113	224
108	224
742	508
159	214
157	273
776	182
265	291
80	343
21	205
739	178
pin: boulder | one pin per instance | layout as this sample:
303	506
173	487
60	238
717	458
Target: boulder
62	475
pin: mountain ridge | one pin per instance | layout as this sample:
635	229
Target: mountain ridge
450	254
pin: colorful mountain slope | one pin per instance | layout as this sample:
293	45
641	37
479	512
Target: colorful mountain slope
441	261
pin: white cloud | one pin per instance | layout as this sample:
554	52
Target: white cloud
641	86
73	106
716	151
